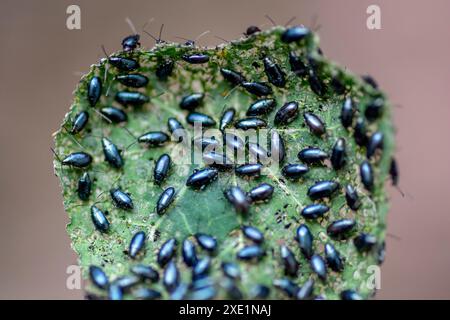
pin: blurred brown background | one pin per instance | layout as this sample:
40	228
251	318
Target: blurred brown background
39	60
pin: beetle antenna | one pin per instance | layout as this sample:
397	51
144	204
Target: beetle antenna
59	159
230	92
97	202
152	36
107	90
104	51
290	20
220	38
400	190
157	40
202	34
147	23
99	195
105	74
185	39
160	32
223	108
130	145
98	171
393	236
314	26
270	19
196	38
73	138
131	25
129	132
56	155
159	95
118	178
65	129
103	116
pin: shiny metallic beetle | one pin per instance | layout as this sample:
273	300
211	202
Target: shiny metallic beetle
261	107
112	154
77	160
227	118
137	244
207	242
115	115
121	199
314	123
238	199
312	155
233	77
262	192
294	171
258	89
341	228
164	200
79	122
195	58
99	219
323	189
200	118
366	173
167	251
201	178
338	154
333	258
250	123
250	252
287	113
192	101
189	253
305	240
290	263
128	98
133	80
352	198
161	169
84	187
314	211
94	90
154	138
274	74
295	34
253	234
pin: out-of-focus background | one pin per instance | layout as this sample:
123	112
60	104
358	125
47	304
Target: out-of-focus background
40	62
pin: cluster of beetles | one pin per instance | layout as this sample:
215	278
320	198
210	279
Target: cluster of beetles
202	286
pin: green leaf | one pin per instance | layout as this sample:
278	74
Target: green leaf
207	211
